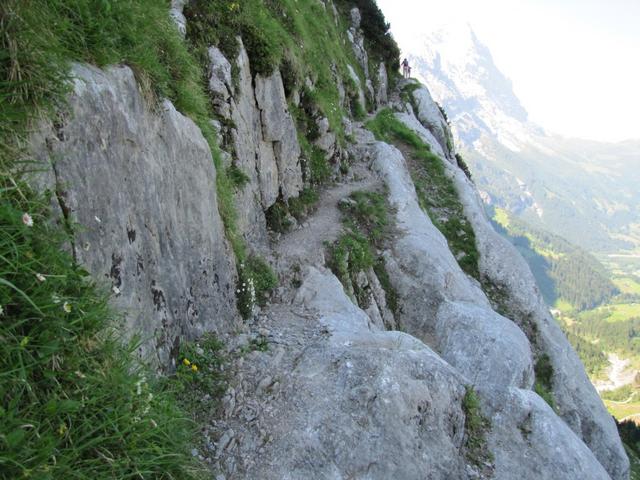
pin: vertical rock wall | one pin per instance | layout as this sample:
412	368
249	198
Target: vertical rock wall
140	186
263	138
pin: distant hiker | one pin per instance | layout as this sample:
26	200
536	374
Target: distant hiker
408	72
406	69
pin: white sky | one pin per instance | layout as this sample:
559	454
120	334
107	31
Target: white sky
575	64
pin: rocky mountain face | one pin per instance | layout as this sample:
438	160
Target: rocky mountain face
445	384
570	187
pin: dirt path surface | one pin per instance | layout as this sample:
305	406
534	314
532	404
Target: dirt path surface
306	245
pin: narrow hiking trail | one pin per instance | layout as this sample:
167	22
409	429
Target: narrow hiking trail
307	244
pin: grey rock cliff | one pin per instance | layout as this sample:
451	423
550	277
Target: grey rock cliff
578	402
142	187
263	139
356	38
440	304
177	6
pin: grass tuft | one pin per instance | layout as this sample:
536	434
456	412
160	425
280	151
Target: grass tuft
256	280
544	379
366	219
476	426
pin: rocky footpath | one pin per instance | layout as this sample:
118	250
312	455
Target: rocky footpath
337	396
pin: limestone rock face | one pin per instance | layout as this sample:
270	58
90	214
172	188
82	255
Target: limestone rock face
440	304
449	311
263	139
431	117
554	450
349	400
356	38
483	347
142	185
500	263
383	85
356	80
177	6
279	129
247	148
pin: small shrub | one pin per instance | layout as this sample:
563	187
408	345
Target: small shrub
349	255
463	166
290	75
544	379
277	216
263	55
443	113
380	42
369	212
357	110
319	167
300	205
390	292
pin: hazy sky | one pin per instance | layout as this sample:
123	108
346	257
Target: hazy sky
575	64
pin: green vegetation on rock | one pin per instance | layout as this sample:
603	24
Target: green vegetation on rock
256	280
544	379
476	426
301	39
199	380
436	192
74	403
368	225
378	39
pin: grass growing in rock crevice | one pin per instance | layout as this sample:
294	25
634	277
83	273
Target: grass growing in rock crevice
200	380
256	280
544	379
368	227
436	191
476	426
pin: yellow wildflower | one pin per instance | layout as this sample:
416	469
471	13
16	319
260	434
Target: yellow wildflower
194	367
186	362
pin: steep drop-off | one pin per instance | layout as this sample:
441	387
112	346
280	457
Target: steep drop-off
405	339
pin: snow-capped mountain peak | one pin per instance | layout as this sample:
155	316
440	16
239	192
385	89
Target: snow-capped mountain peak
462	75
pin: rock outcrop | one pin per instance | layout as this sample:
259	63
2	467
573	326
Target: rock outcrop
342	399
263	139
513	284
141	186
356	38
